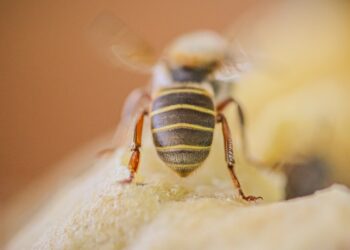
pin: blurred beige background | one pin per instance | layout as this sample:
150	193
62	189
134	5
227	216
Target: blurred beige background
56	92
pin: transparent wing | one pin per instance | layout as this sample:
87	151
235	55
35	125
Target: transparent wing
242	54
236	63
120	45
249	42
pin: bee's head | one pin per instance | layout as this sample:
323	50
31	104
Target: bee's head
193	57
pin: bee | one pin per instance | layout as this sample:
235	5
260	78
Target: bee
185	100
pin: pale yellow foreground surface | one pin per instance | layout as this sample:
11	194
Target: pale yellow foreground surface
96	212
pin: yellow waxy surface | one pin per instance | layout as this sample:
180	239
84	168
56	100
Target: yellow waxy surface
96	212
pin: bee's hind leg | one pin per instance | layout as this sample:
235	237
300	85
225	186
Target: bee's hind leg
229	157
135	149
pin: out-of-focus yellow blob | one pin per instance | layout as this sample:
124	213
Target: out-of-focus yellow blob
298	97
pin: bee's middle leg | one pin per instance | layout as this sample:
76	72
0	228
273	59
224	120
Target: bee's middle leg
242	123
136	99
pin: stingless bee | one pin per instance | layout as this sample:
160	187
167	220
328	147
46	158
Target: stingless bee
189	91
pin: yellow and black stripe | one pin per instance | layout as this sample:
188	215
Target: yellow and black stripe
183	121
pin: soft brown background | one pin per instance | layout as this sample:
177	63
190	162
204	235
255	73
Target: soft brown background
56	92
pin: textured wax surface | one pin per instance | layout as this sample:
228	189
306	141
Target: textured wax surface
96	212
215	224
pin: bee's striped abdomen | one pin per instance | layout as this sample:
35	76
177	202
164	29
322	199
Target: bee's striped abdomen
183	120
